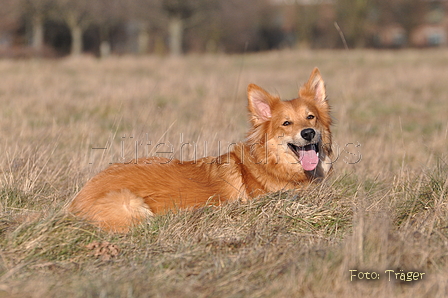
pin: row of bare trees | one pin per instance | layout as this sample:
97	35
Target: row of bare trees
173	17
231	25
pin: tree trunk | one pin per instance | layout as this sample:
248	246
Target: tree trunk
176	30
105	46
143	39
38	33
76	48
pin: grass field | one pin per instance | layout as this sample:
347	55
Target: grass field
383	209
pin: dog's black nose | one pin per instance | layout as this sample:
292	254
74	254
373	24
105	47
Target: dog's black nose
308	134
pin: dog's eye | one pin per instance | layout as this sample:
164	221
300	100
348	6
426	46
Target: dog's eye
310	117
286	123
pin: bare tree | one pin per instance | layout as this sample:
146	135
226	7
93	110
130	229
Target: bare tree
146	14
38	11
105	14
182	14
77	16
35	11
177	11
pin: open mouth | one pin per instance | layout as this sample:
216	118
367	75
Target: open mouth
308	155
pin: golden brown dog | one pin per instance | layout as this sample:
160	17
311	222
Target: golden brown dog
288	145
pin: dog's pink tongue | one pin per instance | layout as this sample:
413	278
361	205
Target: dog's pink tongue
308	159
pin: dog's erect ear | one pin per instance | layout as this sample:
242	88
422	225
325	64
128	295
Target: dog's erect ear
259	103
315	87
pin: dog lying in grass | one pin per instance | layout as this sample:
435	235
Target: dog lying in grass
287	146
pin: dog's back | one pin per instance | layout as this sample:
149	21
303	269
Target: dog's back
123	194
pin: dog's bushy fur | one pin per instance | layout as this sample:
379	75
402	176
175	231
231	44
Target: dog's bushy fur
288	146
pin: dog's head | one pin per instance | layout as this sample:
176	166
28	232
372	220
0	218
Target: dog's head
298	131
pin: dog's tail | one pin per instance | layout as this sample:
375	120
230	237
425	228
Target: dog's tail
115	211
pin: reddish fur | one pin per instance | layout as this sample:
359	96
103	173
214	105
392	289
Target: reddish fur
124	194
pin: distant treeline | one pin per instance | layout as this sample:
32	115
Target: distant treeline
101	27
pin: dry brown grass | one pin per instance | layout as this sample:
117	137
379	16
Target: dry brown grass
388	211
